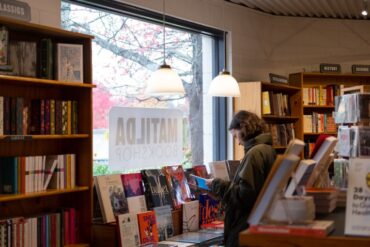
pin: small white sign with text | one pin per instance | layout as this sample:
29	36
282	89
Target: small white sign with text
144	137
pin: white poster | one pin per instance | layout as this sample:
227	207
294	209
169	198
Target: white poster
358	198
144	137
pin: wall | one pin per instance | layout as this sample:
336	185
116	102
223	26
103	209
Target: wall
262	43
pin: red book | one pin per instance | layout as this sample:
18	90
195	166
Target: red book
147	227
72	225
66	227
132	184
200	171
315	229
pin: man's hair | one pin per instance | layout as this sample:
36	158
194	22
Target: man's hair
249	124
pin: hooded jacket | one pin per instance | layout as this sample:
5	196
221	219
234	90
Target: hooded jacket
238	196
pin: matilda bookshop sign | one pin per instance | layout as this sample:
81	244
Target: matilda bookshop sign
15	9
144	137
358	198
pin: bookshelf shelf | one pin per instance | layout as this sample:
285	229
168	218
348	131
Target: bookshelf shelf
320	133
280	118
77	99
267	86
28	81
7	198
318	107
42	137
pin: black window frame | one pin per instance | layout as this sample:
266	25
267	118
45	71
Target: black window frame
219	103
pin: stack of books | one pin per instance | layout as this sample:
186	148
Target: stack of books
325	199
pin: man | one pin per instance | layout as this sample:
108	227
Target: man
239	195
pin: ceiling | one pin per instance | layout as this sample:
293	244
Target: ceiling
339	9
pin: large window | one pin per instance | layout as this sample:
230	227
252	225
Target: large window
126	51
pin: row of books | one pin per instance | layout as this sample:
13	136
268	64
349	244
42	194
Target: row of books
352	108
28	174
154	227
21	116
39	59
276	104
319	123
282	134
321	95
122	193
54	229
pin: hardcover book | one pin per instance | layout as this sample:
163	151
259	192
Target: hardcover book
156	190
128	229
147	227
136	204
177	184
300	177
111	196
317	229
165	227
23	58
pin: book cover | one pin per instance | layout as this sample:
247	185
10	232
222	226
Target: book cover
128	228
132	184
322	159
156	190
177	184
200	237
147	227
219	170
50	165
165	227
23	58
200	182
318	228
200	171
190	216
209	209
136	204
266	103
300	177
111	196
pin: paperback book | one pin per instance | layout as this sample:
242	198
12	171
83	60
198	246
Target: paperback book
165	227
147	227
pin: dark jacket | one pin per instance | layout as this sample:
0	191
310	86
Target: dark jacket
239	195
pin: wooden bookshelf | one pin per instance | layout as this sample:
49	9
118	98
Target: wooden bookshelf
313	79
49	201
251	100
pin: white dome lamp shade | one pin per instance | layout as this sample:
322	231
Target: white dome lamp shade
164	81
224	85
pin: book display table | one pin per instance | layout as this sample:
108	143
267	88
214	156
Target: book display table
336	238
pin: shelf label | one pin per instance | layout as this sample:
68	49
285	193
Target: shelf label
274	78
330	68
15	9
18	138
360	69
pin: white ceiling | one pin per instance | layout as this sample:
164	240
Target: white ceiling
341	9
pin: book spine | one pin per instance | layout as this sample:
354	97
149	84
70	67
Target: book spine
64	117
19	122
1	115
6	115
42	117
47	117
52	117
74	117
13	116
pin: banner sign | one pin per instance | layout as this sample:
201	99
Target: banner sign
358	198
144	137
15	9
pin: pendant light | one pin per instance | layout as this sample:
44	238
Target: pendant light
224	85
164	81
